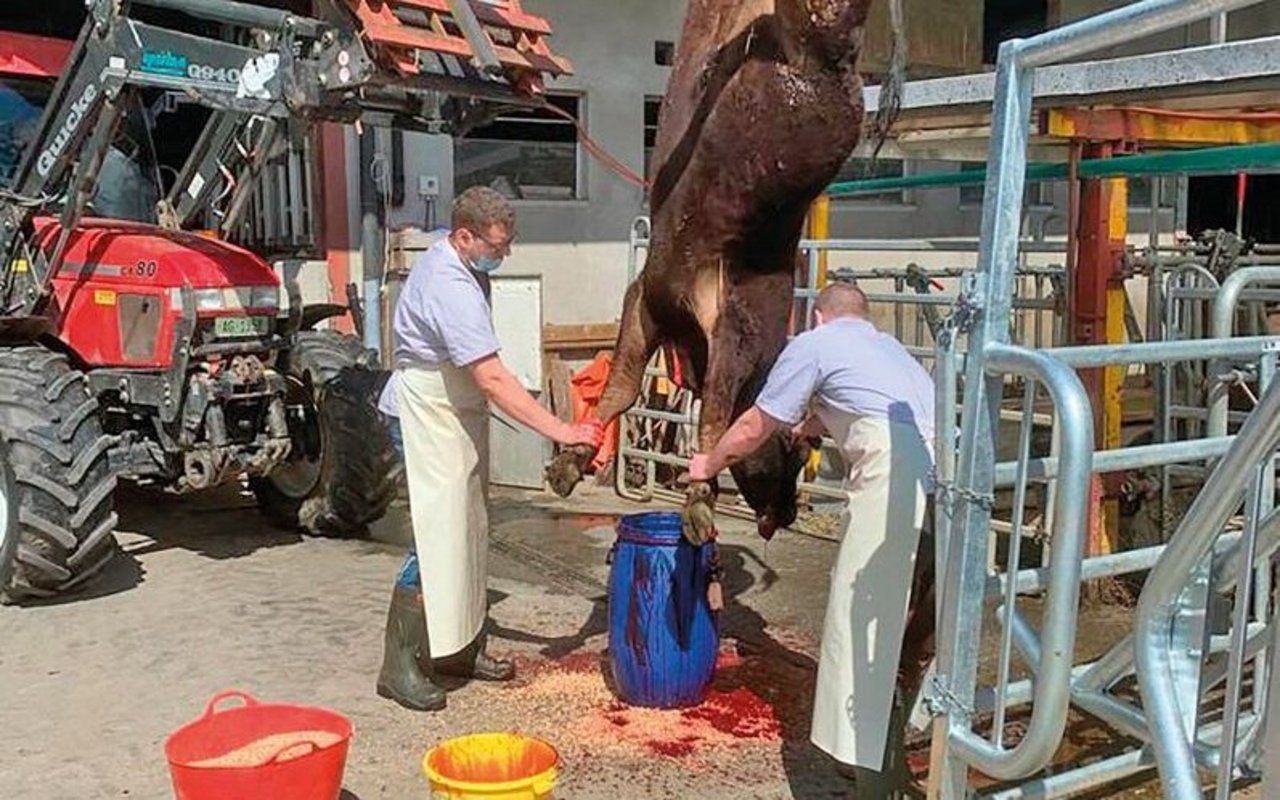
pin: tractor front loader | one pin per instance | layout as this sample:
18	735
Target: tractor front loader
141	350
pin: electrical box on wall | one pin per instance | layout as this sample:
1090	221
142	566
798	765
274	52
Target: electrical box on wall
428	186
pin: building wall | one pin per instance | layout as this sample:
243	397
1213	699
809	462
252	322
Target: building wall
580	248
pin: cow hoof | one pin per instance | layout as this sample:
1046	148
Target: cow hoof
766	526
699	514
563	474
566	469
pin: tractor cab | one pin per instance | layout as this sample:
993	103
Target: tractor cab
118	295
29	69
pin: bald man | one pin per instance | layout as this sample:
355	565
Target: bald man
876	402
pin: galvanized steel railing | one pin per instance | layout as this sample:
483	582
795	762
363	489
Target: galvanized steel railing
965	579
1171	648
1039	302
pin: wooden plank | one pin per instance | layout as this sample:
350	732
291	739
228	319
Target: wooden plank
558	381
381	26
602	335
401	35
949	41
404	36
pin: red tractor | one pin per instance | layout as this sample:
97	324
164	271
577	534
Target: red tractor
156	354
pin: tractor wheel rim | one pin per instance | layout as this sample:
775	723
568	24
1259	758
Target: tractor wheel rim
296	478
6	530
299	475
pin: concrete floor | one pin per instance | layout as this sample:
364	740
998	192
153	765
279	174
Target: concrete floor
210	597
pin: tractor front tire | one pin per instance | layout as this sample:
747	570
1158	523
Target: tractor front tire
63	483
11	534
340	474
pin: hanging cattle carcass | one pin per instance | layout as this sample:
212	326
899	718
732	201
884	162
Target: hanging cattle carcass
763	107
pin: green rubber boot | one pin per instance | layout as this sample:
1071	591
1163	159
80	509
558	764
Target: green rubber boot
475	664
406	675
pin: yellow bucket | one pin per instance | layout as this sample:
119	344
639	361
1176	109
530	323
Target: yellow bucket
492	766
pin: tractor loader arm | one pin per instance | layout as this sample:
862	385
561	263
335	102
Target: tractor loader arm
359	62
116	54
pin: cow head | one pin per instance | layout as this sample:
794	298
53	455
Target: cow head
767	480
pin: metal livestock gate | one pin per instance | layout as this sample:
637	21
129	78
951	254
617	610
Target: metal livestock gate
1203	619
1171	650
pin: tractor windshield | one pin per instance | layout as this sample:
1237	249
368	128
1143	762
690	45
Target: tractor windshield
125	186
21	101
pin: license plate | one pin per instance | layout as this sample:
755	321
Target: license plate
235	327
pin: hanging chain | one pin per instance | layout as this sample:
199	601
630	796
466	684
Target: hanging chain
952	494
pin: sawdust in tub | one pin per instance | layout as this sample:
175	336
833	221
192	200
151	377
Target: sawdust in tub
276	748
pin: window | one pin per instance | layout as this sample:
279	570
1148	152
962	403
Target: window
857	169
1034	193
972	194
283	215
652	107
527	154
22	102
1140	192
1010	19
664	53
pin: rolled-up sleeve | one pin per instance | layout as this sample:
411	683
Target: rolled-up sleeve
792	382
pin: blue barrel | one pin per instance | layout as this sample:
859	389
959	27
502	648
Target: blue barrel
663	637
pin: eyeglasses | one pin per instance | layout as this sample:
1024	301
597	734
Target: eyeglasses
501	246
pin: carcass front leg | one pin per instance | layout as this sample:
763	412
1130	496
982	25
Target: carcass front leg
700	496
637	339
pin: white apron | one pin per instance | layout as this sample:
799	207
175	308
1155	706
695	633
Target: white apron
888	473
445	422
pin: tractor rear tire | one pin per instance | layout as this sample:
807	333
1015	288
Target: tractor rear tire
340	476
63	482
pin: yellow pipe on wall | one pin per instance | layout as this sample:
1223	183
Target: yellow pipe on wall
1113	376
819	230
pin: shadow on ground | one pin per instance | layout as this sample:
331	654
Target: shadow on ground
219	524
123	573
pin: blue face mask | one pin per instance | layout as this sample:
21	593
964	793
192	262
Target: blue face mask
486	264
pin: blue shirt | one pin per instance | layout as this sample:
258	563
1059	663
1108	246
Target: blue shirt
441	317
849	365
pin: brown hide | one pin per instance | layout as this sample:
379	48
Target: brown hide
763	107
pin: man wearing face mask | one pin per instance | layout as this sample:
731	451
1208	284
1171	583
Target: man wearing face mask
447	372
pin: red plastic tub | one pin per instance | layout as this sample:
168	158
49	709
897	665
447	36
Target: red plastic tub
247	765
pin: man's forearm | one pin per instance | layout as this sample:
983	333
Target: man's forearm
742	439
503	390
516	401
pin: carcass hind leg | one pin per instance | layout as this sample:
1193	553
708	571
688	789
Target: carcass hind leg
637	339
725	378
749	332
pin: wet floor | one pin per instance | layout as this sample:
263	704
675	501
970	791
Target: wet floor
209	597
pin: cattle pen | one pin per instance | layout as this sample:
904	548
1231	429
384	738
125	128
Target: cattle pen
1155	361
